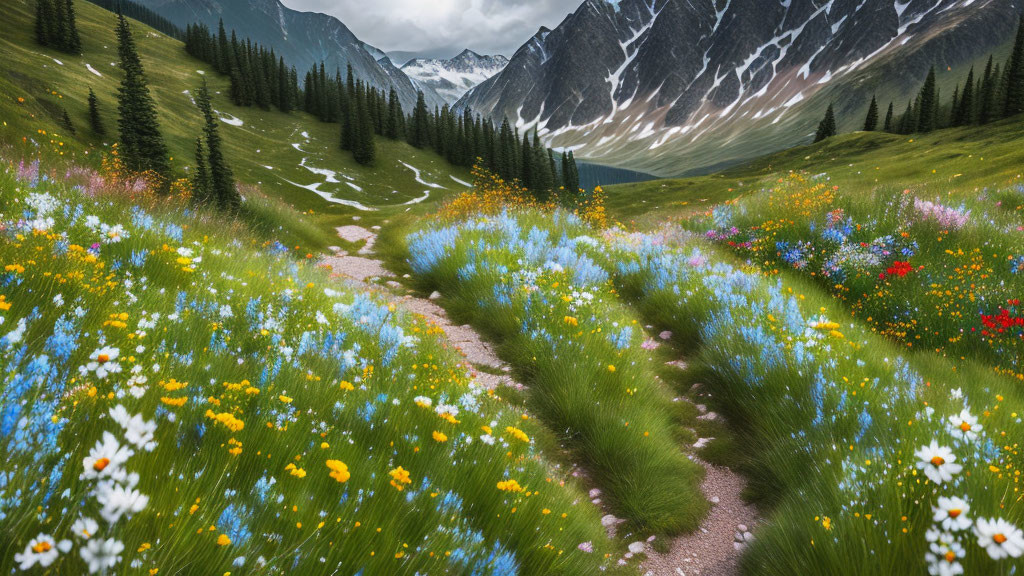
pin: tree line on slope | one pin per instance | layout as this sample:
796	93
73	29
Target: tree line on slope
995	94
261	78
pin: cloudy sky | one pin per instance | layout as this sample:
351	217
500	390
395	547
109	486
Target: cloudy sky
442	28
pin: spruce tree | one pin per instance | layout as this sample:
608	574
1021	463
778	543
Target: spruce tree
95	121
929	104
871	122
888	127
573	182
419	129
908	122
142	146
965	110
393	122
65	121
1014	102
954	107
222	181
827	126
365	151
72	42
986	107
201	184
44	12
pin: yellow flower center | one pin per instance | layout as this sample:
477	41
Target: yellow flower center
938	461
103	358
955	512
42	547
100	464
950	556
999	538
965	427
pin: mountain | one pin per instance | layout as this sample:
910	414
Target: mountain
303	38
674	86
454	77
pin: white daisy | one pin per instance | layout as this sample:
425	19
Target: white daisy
951	513
119	500
101	555
937	462
42	550
943	558
138	431
999	538
964	426
102	362
85	527
106	459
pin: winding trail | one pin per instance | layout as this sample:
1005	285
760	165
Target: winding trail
713	550
364	269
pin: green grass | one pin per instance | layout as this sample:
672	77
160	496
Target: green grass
266	138
964	160
314	372
826	417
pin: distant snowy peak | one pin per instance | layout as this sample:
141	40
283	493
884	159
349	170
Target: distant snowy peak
452	78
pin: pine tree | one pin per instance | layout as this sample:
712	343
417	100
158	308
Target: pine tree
573	181
888	127
827	126
929	104
1014	102
908	122
954	107
59	25
65	121
986	108
201	177
142	146
871	122
72	42
419	129
222	181
44	14
965	109
365	150
392	125
95	121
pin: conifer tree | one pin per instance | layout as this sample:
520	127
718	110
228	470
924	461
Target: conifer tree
827	126
986	108
72	42
142	146
95	121
871	122
888	127
65	121
908	122
928	104
222	189
392	125
1014	102
44	15
201	184
573	182
365	150
419	127
964	110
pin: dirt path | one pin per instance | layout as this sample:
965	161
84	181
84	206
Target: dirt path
713	550
365	270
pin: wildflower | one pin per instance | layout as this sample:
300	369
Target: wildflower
85	527
138	432
439	436
42	550
943	554
611	368
223	540
101	555
119	500
101	362
964	426
339	470
587	547
937	462
951	514
423	401
999	538
517	434
399	477
106	459
509	486
295	471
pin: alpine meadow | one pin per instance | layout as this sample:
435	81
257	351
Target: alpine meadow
665	288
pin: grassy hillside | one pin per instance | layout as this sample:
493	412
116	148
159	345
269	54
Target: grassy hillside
286	155
950	163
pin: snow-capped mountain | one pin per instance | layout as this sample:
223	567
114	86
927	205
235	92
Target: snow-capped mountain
673	85
303	38
454	77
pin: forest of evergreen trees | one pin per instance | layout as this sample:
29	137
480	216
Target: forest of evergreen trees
139	12
261	78
56	26
995	94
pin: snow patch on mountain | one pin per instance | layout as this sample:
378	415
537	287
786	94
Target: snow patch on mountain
452	78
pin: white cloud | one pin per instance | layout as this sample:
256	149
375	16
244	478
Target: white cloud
443	27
